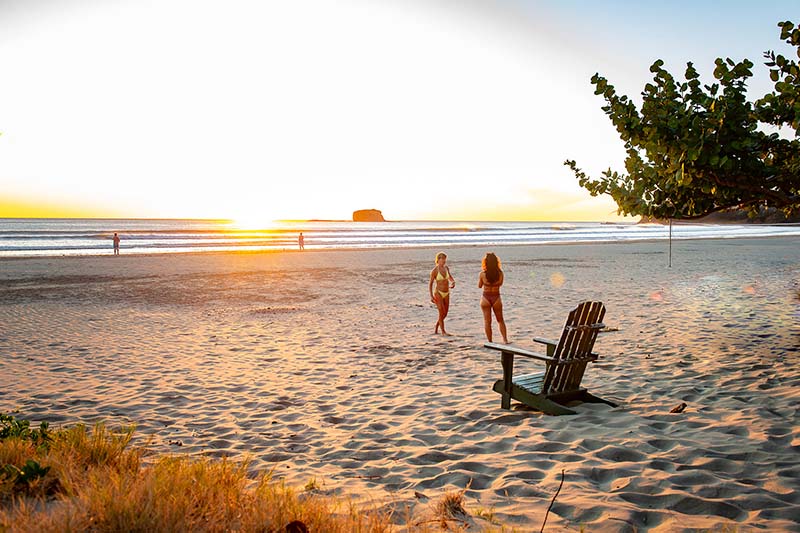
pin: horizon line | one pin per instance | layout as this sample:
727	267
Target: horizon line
285	220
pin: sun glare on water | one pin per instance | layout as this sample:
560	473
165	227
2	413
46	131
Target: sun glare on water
254	223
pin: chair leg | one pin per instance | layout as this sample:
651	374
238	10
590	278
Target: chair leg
507	360
505	399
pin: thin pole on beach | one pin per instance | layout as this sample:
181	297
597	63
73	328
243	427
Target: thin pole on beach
670	243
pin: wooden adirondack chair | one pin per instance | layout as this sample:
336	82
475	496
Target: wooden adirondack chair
565	363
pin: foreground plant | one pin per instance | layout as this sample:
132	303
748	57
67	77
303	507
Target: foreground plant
82	479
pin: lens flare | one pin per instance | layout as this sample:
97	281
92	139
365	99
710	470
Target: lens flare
657	296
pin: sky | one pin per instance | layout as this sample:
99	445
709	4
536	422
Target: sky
257	110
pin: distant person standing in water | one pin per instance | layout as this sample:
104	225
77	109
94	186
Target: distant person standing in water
116	244
441	276
490	280
301	241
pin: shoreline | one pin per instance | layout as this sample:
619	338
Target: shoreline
395	248
324	366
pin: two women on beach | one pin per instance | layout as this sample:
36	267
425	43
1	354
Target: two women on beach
490	280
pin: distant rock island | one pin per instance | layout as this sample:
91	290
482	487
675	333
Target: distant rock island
368	215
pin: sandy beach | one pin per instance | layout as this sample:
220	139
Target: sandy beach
323	366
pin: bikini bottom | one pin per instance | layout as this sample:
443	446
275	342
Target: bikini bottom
491	297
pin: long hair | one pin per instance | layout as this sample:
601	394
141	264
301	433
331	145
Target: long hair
491	265
440	254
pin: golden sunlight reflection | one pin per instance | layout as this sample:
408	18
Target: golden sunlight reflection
557	279
253	222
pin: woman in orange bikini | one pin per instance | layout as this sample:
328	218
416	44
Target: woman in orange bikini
441	276
490	280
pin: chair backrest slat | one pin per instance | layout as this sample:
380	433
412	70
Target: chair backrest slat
576	342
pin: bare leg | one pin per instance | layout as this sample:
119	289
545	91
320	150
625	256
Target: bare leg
443	309
440	306
487	318
498	313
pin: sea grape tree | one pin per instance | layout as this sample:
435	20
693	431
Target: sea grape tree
693	149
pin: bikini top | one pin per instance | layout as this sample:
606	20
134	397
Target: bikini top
439	276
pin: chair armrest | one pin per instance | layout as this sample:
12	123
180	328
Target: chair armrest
551	345
507	348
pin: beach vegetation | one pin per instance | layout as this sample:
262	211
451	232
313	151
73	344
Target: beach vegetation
311	485
694	149
486	514
91	479
452	504
15	427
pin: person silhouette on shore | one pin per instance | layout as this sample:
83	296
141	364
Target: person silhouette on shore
116	244
301	241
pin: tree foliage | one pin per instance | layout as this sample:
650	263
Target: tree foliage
694	149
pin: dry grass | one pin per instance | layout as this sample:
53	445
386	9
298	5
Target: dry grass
179	494
451	509
91	480
452	505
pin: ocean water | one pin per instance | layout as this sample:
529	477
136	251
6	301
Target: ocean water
54	237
